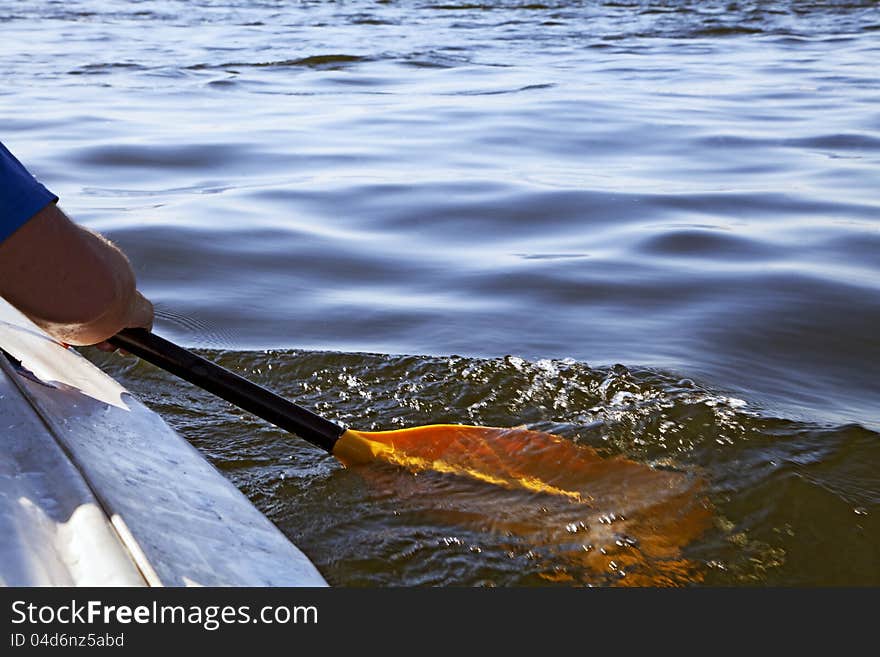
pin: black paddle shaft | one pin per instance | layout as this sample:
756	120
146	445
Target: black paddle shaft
229	386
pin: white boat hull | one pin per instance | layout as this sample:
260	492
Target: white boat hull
95	488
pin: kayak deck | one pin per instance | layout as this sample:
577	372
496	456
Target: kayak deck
95	489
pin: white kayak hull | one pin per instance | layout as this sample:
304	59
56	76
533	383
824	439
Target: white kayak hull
95	488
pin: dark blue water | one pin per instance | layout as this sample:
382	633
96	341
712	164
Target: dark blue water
688	189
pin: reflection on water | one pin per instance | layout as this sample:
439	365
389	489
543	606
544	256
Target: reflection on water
688	188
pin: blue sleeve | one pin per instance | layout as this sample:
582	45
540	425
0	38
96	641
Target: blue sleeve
21	196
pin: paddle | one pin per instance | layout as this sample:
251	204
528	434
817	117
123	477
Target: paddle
600	516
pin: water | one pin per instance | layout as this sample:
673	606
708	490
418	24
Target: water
650	227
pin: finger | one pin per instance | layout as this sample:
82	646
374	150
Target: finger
141	313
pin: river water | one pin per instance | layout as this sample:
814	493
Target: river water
651	227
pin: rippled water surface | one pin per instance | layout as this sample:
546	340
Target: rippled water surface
651	227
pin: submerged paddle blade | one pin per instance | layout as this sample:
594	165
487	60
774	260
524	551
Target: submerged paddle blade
513	458
590	517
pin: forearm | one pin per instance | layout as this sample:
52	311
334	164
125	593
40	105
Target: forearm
71	282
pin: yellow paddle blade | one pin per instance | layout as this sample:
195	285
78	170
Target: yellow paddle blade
514	458
591	517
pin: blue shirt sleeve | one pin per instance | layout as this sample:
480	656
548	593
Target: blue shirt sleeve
21	196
